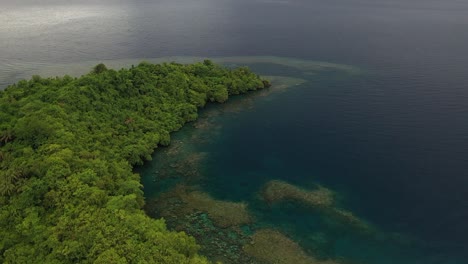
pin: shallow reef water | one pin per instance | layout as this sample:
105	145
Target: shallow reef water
244	208
248	190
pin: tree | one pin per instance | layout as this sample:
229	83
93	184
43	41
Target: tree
100	68
67	146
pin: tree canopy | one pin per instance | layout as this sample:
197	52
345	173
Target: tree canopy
67	147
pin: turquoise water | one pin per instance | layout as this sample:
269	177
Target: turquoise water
256	138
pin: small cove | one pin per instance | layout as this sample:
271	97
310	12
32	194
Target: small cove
235	149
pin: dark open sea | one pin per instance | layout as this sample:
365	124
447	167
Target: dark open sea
383	123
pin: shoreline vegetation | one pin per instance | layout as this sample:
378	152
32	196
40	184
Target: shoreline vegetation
22	70
67	149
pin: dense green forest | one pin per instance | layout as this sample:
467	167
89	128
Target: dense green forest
67	148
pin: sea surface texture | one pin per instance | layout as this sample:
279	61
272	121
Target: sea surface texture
357	154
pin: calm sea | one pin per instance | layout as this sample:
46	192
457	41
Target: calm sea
393	140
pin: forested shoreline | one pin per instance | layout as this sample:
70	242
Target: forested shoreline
67	149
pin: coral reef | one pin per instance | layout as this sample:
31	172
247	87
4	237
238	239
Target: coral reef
223	213
275	191
183	200
218	226
349	219
222	245
271	246
180	162
189	166
320	198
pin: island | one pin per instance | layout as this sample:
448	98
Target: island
68	146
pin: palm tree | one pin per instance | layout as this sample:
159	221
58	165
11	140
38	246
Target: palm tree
6	136
7	185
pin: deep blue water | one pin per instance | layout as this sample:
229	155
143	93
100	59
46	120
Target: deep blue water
393	140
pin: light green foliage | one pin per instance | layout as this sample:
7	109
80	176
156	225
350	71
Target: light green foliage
67	147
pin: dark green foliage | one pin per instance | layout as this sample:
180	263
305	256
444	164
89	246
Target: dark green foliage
99	68
67	147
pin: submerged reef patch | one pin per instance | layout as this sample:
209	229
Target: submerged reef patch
189	165
223	213
348	218
275	191
320	198
218	226
271	246
179	162
183	200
